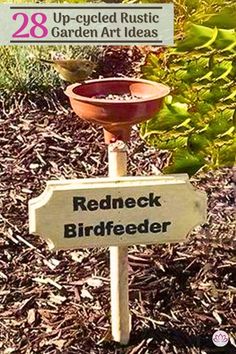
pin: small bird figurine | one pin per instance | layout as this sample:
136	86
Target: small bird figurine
72	70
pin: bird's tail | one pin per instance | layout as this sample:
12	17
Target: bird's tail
46	61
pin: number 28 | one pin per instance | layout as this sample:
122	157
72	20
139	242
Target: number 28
38	20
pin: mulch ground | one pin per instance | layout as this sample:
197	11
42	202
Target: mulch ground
58	302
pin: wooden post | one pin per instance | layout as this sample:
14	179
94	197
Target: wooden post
120	319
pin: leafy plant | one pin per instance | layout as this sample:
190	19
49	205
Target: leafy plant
197	122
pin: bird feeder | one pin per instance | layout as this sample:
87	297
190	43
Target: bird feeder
117	211
117	116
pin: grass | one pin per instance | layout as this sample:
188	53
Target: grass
21	71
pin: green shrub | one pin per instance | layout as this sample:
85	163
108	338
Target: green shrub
197	122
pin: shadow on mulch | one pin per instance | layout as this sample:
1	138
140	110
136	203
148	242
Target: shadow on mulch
178	338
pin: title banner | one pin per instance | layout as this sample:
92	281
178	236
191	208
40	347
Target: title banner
114	24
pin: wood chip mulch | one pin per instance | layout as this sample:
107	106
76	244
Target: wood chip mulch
58	302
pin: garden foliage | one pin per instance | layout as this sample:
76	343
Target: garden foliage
22	72
197	121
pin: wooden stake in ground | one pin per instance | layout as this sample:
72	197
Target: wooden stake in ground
120	319
172	208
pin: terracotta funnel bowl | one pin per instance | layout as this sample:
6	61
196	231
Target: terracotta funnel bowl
116	116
